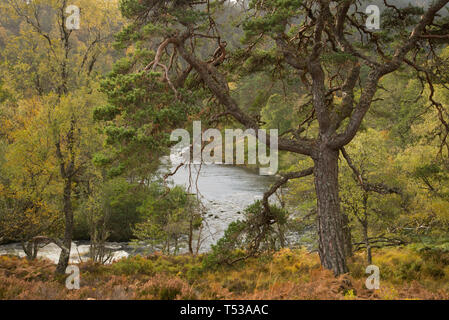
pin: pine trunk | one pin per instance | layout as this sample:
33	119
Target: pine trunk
331	231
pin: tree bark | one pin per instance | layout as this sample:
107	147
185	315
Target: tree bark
332	248
369	256
347	235
191	233
64	257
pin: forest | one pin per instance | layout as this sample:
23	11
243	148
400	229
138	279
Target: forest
353	96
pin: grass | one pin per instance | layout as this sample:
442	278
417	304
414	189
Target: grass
406	273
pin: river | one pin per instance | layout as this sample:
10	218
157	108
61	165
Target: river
224	190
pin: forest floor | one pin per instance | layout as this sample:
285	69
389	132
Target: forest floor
405	273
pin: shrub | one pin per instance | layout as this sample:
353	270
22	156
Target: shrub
162	287
134	265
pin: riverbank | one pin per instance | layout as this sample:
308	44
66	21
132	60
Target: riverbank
224	190
405	273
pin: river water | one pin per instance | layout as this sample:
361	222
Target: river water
224	190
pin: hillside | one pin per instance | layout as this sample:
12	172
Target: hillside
407	273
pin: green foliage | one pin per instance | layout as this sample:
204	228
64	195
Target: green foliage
182	265
277	113
169	217
226	248
274	21
118	202
238	240
49	89
376	166
141	112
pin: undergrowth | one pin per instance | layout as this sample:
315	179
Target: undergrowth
406	273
